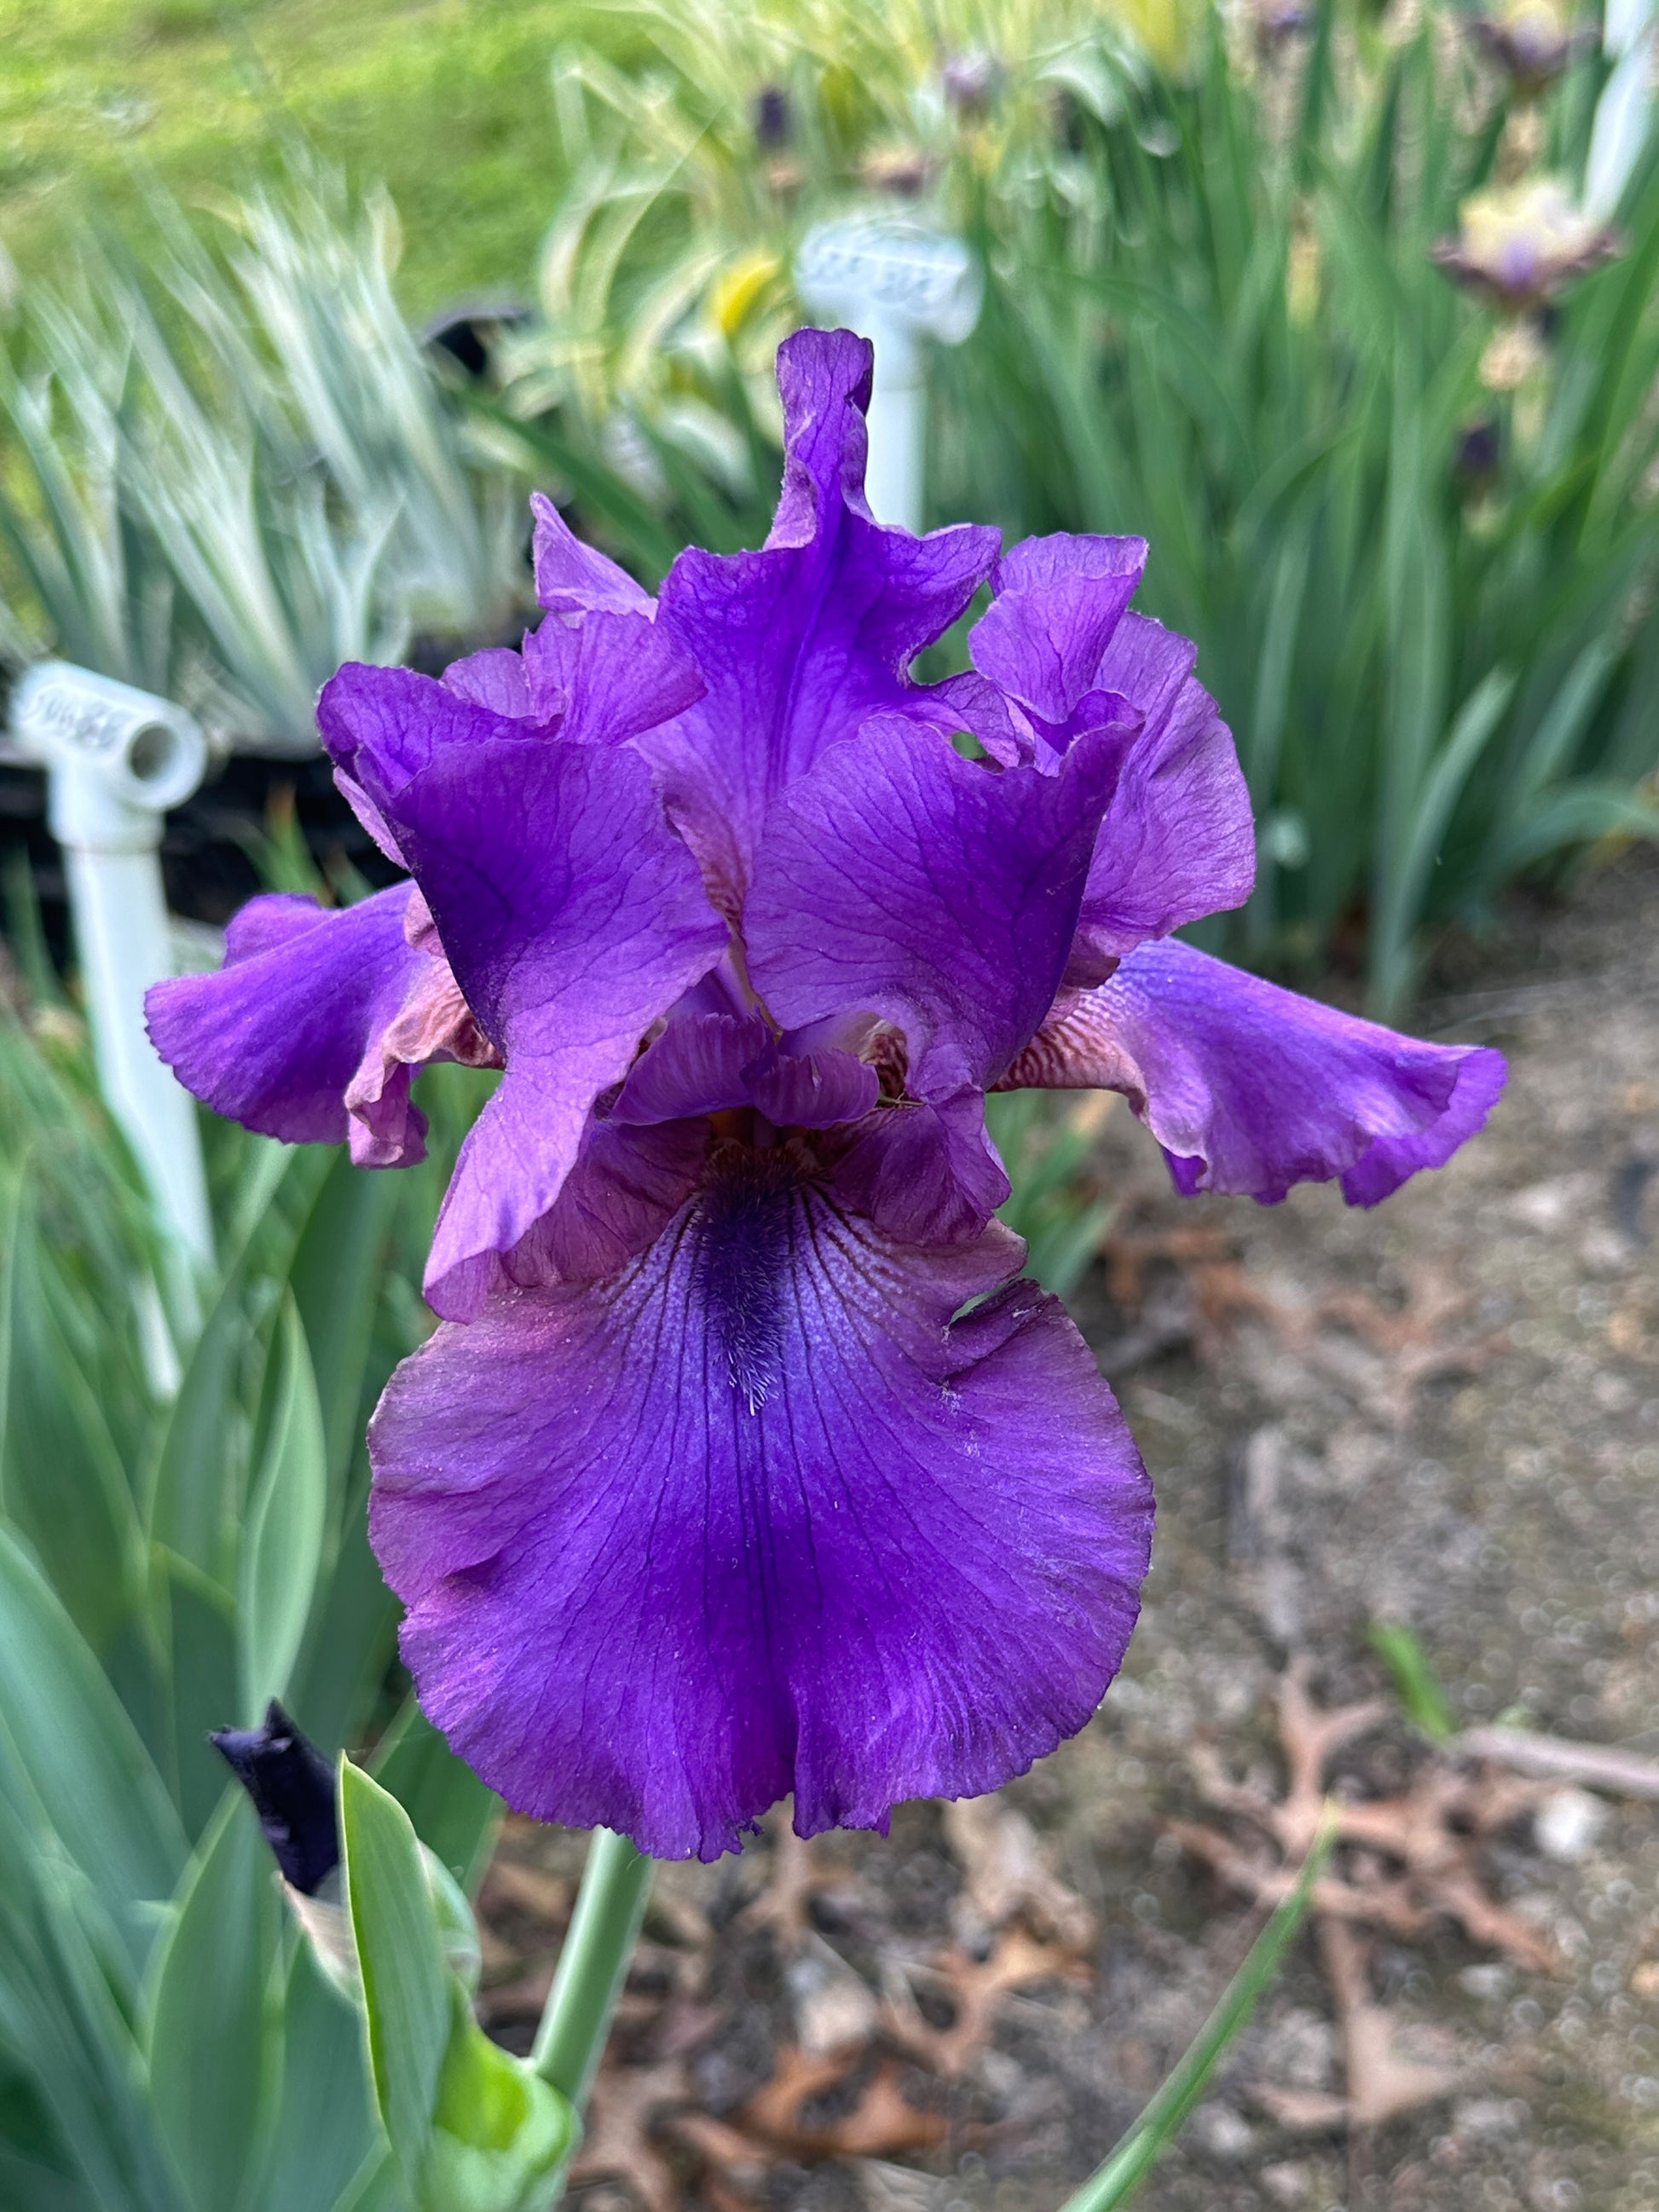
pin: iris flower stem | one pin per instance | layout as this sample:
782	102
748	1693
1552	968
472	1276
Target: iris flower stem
593	1965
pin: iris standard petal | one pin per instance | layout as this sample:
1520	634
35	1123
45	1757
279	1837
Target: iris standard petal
493	678
572	578
608	676
1177	841
899	879
309	1004
1250	1089
758	1516
800	641
601	678
382	726
573	919
1057	602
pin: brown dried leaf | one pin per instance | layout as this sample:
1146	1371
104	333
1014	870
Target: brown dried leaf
1431	1832
882	2123
1009	1875
1382	2082
1129	1256
626	2103
1300	2112
1310	1736
976	1987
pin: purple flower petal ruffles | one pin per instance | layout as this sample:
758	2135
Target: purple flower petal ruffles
1066	654
314	1027
800	642
1250	1089
714	1487
757	1516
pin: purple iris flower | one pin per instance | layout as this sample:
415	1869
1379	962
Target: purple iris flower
743	1464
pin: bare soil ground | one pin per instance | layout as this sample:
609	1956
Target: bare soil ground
1445	1413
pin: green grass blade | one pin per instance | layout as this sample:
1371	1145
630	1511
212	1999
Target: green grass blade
1151	2135
196	1486
406	1992
286	1515
1398	906
337	1265
62	1483
213	2057
66	2017
71	1764
1421	1694
455	1814
324	2134
1577	814
201	1632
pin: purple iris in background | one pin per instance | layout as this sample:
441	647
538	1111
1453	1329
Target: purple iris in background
743	1464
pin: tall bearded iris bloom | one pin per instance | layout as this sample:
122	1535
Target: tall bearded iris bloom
743	1464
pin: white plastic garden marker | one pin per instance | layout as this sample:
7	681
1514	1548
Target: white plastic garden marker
116	759
1624	113
899	284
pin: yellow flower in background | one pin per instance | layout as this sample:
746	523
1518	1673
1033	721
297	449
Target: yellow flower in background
740	287
694	173
1166	28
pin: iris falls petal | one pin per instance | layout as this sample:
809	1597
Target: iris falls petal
757	1516
1251	1089
313	1026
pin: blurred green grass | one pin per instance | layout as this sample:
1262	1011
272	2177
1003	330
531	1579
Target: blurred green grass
447	103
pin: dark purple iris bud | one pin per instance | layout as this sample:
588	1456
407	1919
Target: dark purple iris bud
1068	115
775	120
294	1791
1478	450
744	1464
467	332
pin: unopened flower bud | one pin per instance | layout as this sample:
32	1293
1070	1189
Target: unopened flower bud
775	122
1276	21
1477	452
292	1789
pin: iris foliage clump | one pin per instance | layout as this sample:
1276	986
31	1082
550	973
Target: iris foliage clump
1212	315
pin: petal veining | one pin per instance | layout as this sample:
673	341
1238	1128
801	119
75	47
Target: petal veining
802	641
314	1026
1250	1089
573	919
757	1516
